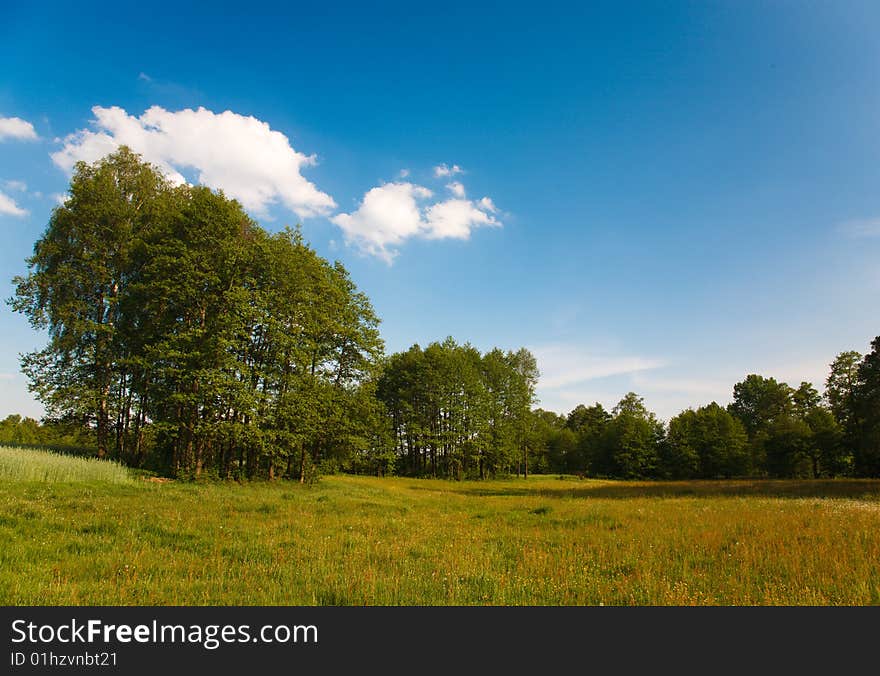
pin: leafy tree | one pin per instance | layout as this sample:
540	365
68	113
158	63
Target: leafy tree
588	423
805	399
787	447
77	284
865	421
840	385
758	401
829	455
630	442
190	339
706	443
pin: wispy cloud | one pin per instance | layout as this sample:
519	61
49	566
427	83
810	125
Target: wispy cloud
17	186
865	227
562	365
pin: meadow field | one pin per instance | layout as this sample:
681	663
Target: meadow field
103	539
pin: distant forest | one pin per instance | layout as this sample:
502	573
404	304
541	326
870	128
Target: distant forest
186	339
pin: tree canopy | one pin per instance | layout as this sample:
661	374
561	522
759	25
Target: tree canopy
184	337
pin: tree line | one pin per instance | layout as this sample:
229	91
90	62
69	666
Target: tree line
769	429
185	338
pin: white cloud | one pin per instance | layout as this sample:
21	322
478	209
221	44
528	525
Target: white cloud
394	212
457	189
387	215
866	227
238	154
59	197
18	186
454	219
487	204
15	127
444	170
403	173
564	365
9	207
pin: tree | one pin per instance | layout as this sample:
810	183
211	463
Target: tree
175	319
829	455
706	443
77	283
865	420
589	424
840	385
787	447
805	399
454	412
630	442
758	401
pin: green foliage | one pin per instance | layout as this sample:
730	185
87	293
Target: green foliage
188	338
759	401
185	338
864	425
456	413
840	385
629	446
707	443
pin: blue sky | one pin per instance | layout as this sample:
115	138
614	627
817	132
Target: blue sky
658	197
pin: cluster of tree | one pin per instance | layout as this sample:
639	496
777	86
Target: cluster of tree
454	412
184	337
769	429
190	339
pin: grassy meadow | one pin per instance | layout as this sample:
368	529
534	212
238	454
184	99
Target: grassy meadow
80	539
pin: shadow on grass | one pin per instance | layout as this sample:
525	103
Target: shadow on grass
853	489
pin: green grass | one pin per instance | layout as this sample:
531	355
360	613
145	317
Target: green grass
19	464
359	540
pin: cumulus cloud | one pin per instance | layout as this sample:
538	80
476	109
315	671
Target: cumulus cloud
59	197
454	219
394	212
457	189
239	154
9	207
444	170
16	128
